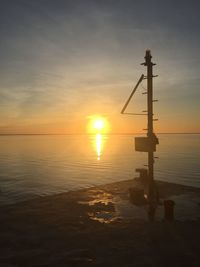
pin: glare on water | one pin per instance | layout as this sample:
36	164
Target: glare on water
98	143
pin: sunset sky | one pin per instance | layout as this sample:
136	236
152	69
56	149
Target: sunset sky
63	62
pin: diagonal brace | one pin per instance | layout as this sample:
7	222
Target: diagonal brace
131	95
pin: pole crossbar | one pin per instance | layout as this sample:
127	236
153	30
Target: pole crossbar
136	114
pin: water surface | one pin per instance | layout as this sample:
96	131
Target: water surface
33	165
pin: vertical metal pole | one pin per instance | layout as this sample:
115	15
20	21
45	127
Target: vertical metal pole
149	65
152	139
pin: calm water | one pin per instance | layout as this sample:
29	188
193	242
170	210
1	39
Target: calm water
49	164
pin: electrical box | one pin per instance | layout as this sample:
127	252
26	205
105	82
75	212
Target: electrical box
146	144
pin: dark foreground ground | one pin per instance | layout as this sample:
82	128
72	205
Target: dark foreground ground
101	226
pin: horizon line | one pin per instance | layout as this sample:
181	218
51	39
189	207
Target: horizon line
3	134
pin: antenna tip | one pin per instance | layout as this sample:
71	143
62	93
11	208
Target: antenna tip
148	52
147	56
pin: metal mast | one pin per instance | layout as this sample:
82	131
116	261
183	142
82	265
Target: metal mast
148	143
150	133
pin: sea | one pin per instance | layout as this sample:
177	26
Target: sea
40	165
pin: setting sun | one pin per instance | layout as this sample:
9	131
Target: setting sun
98	125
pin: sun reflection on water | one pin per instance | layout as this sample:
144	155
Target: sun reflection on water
98	143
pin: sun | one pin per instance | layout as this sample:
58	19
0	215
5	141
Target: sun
98	124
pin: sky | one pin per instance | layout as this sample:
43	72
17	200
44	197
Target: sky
63	62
